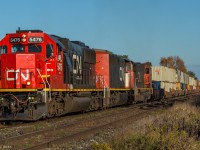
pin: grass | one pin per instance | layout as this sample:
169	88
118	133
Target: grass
176	128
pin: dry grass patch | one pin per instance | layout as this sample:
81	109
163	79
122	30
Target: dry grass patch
175	128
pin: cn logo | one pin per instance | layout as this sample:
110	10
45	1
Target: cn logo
12	75
77	64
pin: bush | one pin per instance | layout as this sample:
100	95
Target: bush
177	128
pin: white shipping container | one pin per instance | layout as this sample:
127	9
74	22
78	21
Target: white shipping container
191	81
171	75
186	78
182	77
194	82
167	86
178	72
164	74
158	73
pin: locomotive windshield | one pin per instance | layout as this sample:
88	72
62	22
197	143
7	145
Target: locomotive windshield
18	49
21	49
34	48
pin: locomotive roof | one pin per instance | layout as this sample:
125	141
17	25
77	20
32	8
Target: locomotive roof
55	38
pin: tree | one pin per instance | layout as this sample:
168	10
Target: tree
148	63
180	65
192	74
125	56
163	61
173	62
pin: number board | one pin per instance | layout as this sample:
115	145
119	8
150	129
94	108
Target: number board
15	40
35	39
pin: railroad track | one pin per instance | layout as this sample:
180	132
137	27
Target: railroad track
80	127
95	124
95	129
87	132
63	126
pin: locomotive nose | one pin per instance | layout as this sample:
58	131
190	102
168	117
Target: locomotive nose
18	70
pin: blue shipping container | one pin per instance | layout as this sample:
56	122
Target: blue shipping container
156	85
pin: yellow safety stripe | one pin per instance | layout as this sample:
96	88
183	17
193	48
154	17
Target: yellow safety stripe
18	90
45	76
68	90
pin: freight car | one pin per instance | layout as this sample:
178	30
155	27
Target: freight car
46	75
168	82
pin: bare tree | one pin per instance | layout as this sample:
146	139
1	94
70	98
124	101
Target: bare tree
180	64
173	62
163	61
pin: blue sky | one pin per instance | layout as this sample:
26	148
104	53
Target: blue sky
145	30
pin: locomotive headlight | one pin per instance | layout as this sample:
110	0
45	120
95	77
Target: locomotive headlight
28	82
23	40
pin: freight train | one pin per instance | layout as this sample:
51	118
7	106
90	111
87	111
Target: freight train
43	76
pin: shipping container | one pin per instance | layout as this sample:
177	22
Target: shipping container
168	87
178	86
164	74
192	81
186	78
178	73
156	85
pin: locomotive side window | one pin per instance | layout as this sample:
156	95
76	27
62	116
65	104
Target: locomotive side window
34	48
3	49
49	50
18	49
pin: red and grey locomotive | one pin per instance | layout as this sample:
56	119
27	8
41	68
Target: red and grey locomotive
46	75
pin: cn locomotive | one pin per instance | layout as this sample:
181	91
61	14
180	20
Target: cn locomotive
43	76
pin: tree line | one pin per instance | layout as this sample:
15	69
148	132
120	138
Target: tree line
176	62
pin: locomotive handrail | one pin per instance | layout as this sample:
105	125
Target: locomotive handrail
48	83
45	98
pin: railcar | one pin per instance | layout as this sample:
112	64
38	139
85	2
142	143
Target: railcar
143	85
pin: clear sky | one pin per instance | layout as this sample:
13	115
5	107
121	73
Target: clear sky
145	30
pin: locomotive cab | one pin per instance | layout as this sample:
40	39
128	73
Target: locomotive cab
26	58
